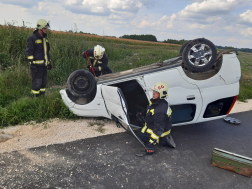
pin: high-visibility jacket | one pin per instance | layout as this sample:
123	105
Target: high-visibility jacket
37	49
101	64
157	117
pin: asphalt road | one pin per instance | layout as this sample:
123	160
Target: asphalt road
110	161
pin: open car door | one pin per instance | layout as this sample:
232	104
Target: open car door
116	106
115	103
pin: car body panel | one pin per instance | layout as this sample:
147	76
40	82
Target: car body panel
180	91
232	64
229	73
223	91
95	108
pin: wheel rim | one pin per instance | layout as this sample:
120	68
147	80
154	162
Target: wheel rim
200	55
81	84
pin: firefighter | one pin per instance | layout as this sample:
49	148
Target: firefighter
158	121
98	60
37	52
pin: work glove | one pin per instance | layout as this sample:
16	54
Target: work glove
149	149
49	66
85	54
34	68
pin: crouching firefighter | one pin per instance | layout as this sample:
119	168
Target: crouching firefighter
37	52
98	61
158	123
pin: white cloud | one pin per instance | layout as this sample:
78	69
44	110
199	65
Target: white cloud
23	3
144	24
163	23
232	39
247	32
213	19
229	28
199	26
105	8
71	2
211	8
245	43
246	16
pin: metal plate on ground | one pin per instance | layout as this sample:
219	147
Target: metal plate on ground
232	120
232	162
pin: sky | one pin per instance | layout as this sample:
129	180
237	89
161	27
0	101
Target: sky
224	22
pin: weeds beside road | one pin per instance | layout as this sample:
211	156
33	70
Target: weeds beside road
246	77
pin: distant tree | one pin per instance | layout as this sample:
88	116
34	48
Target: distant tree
142	37
75	28
174	41
229	47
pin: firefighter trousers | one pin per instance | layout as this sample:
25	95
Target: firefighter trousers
39	80
145	137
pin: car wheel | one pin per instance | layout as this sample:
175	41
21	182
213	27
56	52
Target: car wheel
183	47
199	55
81	83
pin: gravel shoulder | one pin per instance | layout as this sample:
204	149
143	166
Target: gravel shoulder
57	131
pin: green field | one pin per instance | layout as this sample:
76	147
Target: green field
16	105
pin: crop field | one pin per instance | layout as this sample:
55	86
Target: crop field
16	104
246	77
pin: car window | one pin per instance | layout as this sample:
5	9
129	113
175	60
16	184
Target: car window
218	107
183	113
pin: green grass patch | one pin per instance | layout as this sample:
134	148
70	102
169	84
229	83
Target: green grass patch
40	109
246	76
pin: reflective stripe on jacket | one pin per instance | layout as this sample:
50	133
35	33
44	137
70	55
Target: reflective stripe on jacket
37	49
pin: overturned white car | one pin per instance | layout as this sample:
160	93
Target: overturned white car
203	86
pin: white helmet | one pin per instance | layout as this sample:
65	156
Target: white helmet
98	51
161	88
42	24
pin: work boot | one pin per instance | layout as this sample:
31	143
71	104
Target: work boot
169	141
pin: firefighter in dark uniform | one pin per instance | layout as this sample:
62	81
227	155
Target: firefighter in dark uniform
158	121
37	52
98	59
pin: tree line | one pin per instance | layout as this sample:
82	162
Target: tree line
174	41
236	49
147	37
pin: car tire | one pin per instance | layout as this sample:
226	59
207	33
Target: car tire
199	55
81	83
183	47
